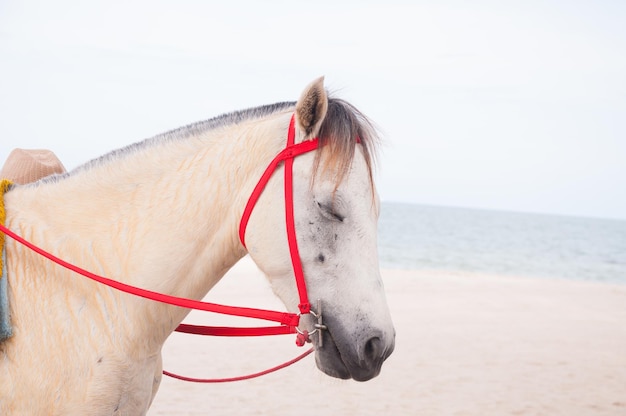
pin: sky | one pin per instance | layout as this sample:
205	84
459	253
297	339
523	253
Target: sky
505	105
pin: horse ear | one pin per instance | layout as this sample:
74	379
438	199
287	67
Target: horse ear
311	109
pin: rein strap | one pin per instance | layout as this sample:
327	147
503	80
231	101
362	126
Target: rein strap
288	321
284	318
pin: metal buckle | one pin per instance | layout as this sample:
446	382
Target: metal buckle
319	326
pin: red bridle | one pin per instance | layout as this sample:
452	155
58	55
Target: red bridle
290	322
287	156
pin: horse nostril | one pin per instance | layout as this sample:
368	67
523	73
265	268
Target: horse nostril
373	349
371	355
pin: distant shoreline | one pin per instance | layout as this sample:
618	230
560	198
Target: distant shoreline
506	211
447	273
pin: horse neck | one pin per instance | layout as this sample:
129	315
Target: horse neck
164	218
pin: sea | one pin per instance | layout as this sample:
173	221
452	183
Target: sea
421	237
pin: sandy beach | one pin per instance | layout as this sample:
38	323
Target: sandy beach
466	344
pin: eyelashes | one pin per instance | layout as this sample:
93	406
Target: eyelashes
329	211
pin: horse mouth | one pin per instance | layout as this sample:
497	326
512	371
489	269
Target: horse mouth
328	359
337	360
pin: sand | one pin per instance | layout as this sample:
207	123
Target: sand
466	344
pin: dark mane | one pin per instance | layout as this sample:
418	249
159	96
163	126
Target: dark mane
189	131
225	120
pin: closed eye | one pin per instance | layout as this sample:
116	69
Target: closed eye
329	212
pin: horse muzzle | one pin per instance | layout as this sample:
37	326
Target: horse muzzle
358	357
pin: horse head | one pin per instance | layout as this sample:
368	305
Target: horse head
335	211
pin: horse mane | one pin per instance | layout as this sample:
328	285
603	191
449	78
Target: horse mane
338	135
224	120
341	126
187	131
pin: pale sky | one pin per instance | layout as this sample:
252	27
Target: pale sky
514	105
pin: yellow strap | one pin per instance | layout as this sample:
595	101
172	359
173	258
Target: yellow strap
4	186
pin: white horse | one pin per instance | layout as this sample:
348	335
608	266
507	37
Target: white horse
164	215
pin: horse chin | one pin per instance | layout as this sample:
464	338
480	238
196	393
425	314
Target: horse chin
328	360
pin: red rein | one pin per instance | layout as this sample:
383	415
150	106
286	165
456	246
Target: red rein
288	321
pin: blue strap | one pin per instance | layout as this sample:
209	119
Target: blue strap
5	319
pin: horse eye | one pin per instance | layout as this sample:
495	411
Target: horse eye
329	212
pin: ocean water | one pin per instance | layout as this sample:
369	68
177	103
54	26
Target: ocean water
504	243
